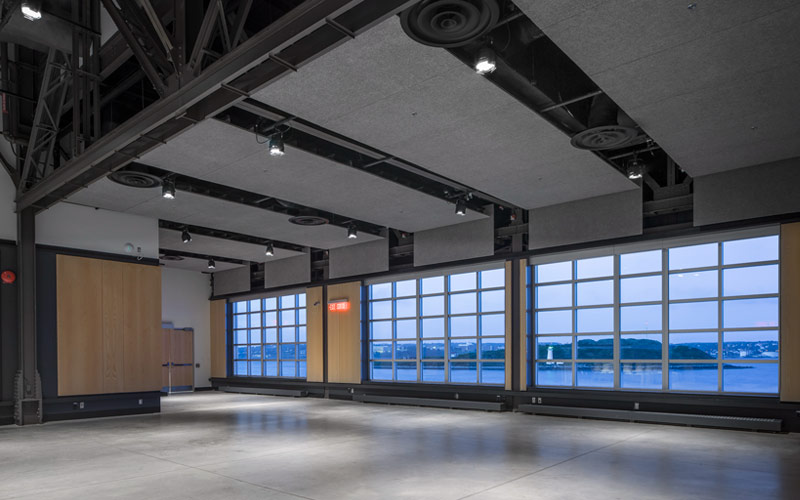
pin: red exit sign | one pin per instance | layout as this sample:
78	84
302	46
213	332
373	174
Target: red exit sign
339	305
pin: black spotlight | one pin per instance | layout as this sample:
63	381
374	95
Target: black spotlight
352	231
270	251
185	236
276	146
168	189
461	207
211	264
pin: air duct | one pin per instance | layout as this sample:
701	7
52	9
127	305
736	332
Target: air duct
608	127
450	23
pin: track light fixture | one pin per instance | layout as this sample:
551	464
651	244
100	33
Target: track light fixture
31	10
185	236
168	189
461	207
485	61
352	231
270	251
211	264
635	170
276	146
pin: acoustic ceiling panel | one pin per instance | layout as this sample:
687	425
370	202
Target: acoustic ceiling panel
300	177
422	104
199	265
714	85
199	210
218	247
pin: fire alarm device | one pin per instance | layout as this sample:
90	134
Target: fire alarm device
8	277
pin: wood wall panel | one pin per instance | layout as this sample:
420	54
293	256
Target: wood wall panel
142	302
219	366
315	340
113	332
790	313
523	325
508	358
79	312
344	335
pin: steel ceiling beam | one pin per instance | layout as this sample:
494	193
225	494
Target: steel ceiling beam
299	36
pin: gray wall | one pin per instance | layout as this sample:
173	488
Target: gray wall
232	281
364	258
288	271
593	219
457	242
747	193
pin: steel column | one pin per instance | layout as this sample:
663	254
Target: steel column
27	385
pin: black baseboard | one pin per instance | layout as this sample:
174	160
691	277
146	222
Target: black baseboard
101	405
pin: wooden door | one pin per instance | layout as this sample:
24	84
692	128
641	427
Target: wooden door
181	347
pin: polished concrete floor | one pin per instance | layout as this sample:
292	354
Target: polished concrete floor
226	446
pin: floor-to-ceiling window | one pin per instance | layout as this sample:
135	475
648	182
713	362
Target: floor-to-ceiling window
686	316
269	336
447	328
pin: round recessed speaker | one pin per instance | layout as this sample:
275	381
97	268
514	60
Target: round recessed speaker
135	179
449	23
172	258
604	137
308	220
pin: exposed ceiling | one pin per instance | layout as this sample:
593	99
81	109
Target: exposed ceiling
199	265
422	104
218	247
715	84
203	211
227	155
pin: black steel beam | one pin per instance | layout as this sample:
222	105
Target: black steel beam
228	235
299	36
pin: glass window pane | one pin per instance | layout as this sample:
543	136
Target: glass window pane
493	324
288	351
405	308
464	372
255	352
239	307
381	350
593	293
432	372
750	250
553	348
493	373
553	296
433	349
693	285
405	350
288	369
594	374
301	369
271	368
746	313
255	368
240	337
301	334
433	285
381	310
288	301
640	346
750	377
559	271
465	281
255	336
640	262
288	334
301	351
597	267
463	303
406	329
750	280
288	317
270	304
595	347
406	371
380	291
240	352
693	315
554	322
301	300
433	328
240	368
640	318
270	351
493	349
381	370
693	377
694	256
493	278
381	330
240	321
596	320
271	319
255	305
640	376
433	306
464	349
750	345
271	335
301	316
493	301
553	374
643	289
701	345
405	288
255	320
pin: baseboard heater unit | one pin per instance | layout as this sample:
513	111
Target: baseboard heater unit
747	423
438	403
266	391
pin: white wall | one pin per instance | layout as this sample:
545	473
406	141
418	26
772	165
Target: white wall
8	216
184	303
86	228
